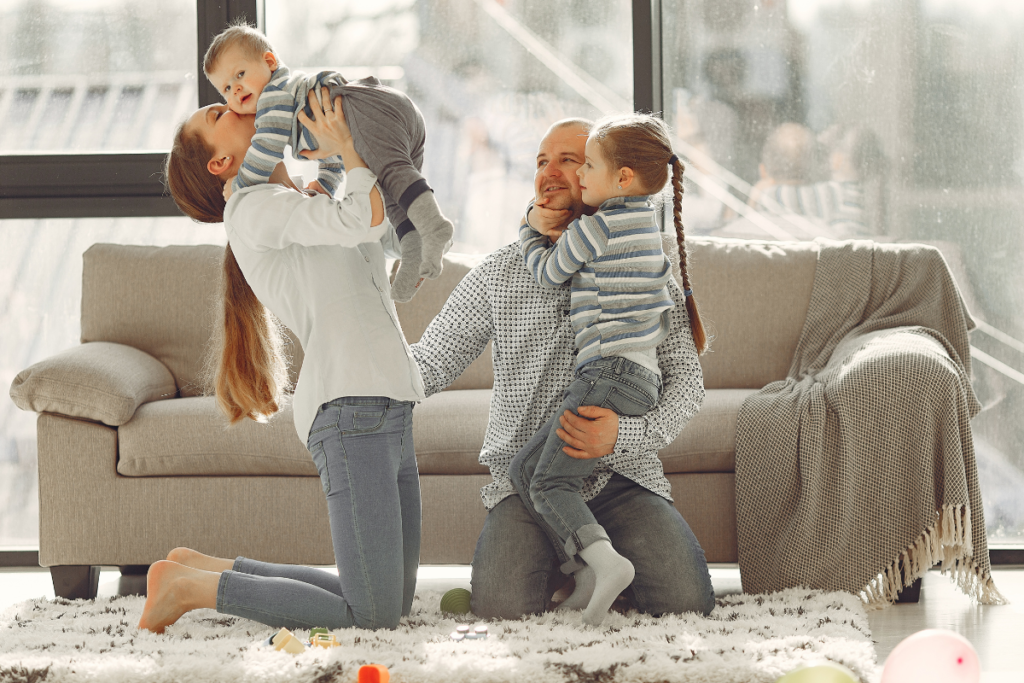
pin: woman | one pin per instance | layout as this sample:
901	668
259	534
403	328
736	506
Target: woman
318	265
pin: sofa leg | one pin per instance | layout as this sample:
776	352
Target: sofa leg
133	579
911	593
76	581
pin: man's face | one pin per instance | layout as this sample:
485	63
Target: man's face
560	153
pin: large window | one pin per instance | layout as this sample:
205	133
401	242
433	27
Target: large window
92	75
916	106
489	78
914	109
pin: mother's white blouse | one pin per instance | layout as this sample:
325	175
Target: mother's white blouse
316	263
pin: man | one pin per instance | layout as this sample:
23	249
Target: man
516	567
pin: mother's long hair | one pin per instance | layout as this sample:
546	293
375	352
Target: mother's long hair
251	374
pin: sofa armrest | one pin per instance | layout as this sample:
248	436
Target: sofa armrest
99	381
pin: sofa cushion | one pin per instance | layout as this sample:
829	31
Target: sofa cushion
99	381
708	441
753	298
448	431
191	437
416	315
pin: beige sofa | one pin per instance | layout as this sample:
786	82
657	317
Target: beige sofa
134	460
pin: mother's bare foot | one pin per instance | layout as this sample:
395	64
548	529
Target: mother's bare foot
167	595
197	560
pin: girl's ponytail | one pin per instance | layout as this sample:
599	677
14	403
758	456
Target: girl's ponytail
696	326
252	374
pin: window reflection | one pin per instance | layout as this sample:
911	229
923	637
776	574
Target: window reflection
94	75
897	121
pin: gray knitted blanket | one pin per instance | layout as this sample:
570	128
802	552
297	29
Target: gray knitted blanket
857	471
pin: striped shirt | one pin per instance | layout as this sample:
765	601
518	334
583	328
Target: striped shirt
277	125
619	272
838	204
533	358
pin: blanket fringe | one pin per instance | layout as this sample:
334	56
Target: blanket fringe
948	542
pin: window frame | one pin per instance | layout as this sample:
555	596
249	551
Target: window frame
130	184
116	184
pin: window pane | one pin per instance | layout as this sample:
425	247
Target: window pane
92	75
488	77
40	313
915	115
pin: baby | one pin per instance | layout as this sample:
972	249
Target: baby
386	126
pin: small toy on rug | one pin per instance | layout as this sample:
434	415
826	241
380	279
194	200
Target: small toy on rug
321	637
826	672
374	673
933	655
456	601
463	632
284	640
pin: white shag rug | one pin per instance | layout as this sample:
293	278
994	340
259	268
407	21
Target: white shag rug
748	639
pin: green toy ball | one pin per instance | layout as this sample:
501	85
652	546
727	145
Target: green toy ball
829	672
455	601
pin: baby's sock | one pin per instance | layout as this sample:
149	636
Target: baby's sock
435	230
408	276
612	572
584	590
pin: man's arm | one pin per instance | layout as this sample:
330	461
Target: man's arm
458	334
601	432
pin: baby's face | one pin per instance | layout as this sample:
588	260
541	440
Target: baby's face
240	79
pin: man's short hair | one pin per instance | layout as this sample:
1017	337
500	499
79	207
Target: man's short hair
585	124
253	43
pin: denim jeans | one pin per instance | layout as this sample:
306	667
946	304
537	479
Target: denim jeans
516	568
548	479
362	447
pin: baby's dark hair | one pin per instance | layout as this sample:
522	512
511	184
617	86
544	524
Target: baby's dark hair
641	142
241	34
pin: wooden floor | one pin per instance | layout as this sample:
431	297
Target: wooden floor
997	633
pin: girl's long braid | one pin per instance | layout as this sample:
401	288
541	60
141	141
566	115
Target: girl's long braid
696	326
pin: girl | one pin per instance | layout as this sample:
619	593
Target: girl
318	265
619	312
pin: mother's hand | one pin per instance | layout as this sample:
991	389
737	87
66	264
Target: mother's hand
334	138
330	130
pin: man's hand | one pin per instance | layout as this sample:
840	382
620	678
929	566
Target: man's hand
548	222
591	434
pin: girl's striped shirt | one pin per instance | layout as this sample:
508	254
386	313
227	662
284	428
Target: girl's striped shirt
619	303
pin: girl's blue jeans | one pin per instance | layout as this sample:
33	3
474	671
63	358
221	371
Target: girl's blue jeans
549	481
362	447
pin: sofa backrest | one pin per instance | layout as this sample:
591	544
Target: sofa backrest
753	298
162	300
416	315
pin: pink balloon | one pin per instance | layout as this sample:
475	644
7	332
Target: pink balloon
932	656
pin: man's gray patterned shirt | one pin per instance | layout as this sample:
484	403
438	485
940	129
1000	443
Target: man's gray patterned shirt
533	360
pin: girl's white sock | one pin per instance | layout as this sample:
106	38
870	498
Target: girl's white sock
612	574
583	591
